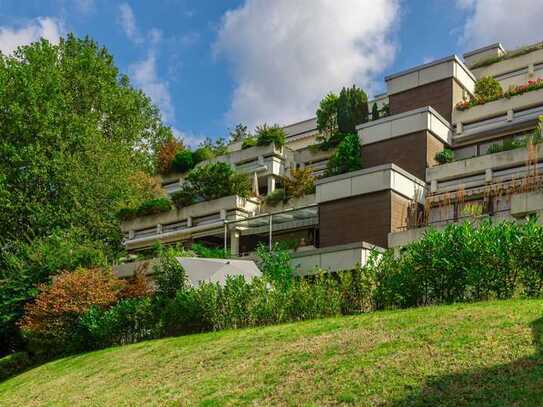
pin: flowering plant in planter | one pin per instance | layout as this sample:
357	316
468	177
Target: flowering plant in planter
516	90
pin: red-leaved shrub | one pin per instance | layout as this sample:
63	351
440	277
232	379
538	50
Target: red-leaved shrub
52	317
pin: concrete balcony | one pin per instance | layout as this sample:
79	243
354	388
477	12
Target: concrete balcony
483	170
333	259
506	66
423	119
184	223
503	109
526	203
379	178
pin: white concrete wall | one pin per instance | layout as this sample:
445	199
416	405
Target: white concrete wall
481	54
510	65
434	71
197	210
425	118
331	259
379	178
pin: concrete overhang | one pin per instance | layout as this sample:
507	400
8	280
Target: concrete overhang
422	119
448	67
378	178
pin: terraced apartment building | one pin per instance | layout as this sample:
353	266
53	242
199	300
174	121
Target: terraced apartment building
401	189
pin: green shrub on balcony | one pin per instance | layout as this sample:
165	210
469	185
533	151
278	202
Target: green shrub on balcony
183	161
515	90
266	135
184	197
445	156
148	207
248	143
276	197
209	182
488	89
346	158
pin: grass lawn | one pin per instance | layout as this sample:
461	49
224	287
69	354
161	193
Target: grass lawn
485	354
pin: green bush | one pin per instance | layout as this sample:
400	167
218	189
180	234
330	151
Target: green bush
201	250
128	321
202	154
148	207
487	88
216	180
154	206
183	161
276	197
275	265
183	198
445	156
266	135
463	262
346	158
248	143
375	112
169	275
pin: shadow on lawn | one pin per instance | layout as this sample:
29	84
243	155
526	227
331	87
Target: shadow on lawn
519	383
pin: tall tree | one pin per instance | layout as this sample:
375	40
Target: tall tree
72	131
74	135
352	109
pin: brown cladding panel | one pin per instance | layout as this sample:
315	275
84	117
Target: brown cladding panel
433	146
437	94
398	212
408	152
364	218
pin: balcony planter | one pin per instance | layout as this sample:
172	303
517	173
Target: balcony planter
498	107
199	209
478	165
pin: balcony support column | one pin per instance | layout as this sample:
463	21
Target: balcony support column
234	242
271	183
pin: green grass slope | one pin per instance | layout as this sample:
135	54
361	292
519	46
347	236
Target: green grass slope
472	354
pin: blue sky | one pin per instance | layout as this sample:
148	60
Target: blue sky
209	64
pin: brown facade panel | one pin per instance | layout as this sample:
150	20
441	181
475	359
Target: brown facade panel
433	146
398	212
409	152
437	94
364	218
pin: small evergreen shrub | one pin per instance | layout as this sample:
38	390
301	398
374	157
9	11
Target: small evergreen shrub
266	135
487	88
375	112
248	143
154	206
276	197
183	161
445	156
301	182
346	158
202	154
183	198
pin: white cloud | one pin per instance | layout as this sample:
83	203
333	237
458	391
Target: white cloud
189	139
511	22
42	27
286	55
144	74
127	20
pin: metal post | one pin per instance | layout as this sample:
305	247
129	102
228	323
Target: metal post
270	236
